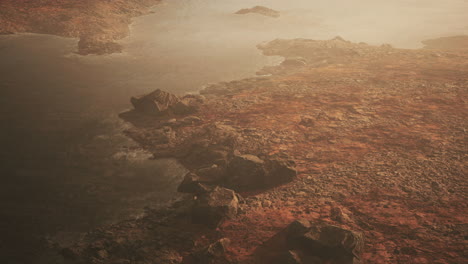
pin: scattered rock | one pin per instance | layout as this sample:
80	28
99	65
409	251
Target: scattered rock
215	206
259	10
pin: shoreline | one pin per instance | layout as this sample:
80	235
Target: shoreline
367	129
78	22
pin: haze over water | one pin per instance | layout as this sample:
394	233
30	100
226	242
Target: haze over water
66	164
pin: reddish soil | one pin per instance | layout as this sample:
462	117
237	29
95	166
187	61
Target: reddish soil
98	24
378	136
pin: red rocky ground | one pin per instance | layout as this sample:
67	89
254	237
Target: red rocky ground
378	136
98	24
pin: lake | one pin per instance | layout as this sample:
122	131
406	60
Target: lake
67	166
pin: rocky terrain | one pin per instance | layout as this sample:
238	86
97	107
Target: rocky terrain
98	24
344	153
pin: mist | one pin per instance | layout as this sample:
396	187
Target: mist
63	144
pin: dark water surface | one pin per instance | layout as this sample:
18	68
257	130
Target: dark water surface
66	166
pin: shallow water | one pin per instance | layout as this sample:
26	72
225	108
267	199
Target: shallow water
66	165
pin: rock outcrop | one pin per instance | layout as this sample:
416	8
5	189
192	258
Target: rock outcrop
246	171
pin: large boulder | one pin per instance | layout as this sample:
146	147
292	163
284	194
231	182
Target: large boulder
330	243
213	207
155	103
297	229
202	155
214	174
246	172
280	171
249	171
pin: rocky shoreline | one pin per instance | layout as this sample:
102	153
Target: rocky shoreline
97	24
346	153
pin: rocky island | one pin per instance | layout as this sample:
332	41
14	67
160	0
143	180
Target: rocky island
261	10
343	153
97	24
